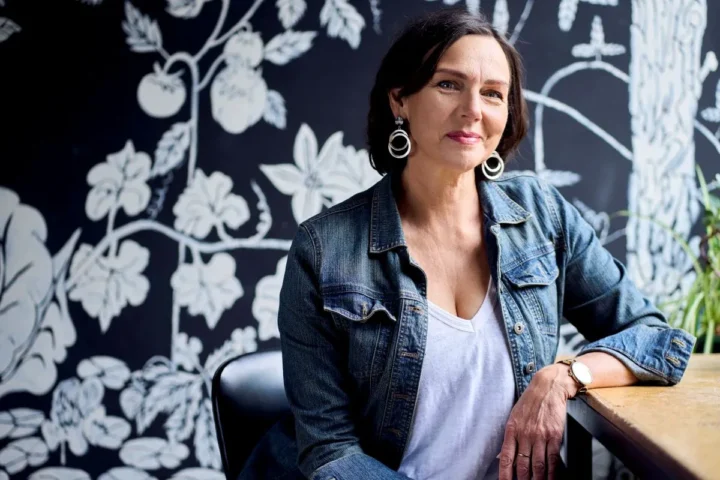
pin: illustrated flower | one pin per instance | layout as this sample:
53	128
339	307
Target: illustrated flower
207	203
244	49
78	418
161	94
185	8
355	166
207	289
121	181
314	177
109	284
238	95
267	302
34	333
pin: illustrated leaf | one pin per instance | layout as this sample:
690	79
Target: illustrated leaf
473	6
711	114
206	446
287	46
342	20
583	50
126	473
107	432
290	12
131	400
560	178
612	49
275	112
3	475
181	422
22	453
111	283
171	149
60	473
113	373
143	33
566	14
198	474
20	422
169	392
501	16
7	28
149	453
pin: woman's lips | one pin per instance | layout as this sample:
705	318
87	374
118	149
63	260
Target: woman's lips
464	138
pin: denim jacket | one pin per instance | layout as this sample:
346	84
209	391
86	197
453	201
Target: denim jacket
353	316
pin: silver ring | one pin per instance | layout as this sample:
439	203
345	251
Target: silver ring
523	455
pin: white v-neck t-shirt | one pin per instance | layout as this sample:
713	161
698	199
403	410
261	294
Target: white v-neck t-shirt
465	396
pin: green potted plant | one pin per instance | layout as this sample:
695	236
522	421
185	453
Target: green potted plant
698	312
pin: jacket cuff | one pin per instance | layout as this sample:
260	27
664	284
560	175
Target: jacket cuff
652	354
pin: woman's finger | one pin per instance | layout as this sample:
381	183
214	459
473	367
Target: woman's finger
538	460
522	458
507	454
553	458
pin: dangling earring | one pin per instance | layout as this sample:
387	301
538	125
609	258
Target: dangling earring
404	150
493	173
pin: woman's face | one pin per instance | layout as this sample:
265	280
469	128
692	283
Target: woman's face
458	118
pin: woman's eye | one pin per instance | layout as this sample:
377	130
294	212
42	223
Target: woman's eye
494	94
446	84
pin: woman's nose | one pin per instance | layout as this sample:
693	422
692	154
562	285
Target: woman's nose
472	106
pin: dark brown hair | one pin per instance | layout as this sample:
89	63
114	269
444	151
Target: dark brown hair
410	64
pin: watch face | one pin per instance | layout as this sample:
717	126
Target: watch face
582	373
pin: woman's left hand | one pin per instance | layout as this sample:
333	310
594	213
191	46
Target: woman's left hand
534	431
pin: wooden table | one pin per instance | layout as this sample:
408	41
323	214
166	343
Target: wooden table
657	432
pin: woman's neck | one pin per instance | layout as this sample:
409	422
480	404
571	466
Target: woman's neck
438	200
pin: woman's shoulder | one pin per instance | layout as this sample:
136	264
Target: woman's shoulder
345	215
527	189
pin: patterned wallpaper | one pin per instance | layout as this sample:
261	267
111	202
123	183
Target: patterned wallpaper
157	156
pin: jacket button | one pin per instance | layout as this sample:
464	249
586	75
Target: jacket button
519	328
529	368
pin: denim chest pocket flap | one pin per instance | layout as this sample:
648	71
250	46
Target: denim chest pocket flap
536	267
355	306
369	324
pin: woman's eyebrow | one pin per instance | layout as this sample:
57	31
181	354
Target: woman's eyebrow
464	76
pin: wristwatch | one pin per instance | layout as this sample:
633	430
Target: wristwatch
579	372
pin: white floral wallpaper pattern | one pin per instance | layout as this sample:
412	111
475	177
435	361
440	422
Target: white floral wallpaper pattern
109	339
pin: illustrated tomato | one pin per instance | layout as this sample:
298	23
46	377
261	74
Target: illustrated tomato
244	48
238	96
161	94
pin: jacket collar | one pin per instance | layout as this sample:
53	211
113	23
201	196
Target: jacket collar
386	228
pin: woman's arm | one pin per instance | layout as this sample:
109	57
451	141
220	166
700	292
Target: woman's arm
608	309
315	380
607	371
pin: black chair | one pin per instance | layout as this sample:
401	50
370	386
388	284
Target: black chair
248	397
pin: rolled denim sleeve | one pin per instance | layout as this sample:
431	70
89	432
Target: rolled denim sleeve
609	310
314	377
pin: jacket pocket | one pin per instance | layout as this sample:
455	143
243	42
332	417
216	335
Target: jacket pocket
540	269
369	323
532	285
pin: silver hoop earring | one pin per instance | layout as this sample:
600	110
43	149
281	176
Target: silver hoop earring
493	173
404	150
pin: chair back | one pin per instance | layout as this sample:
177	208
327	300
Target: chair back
248	397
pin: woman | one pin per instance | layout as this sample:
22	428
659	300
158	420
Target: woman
419	320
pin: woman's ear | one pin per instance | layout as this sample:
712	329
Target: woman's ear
397	105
